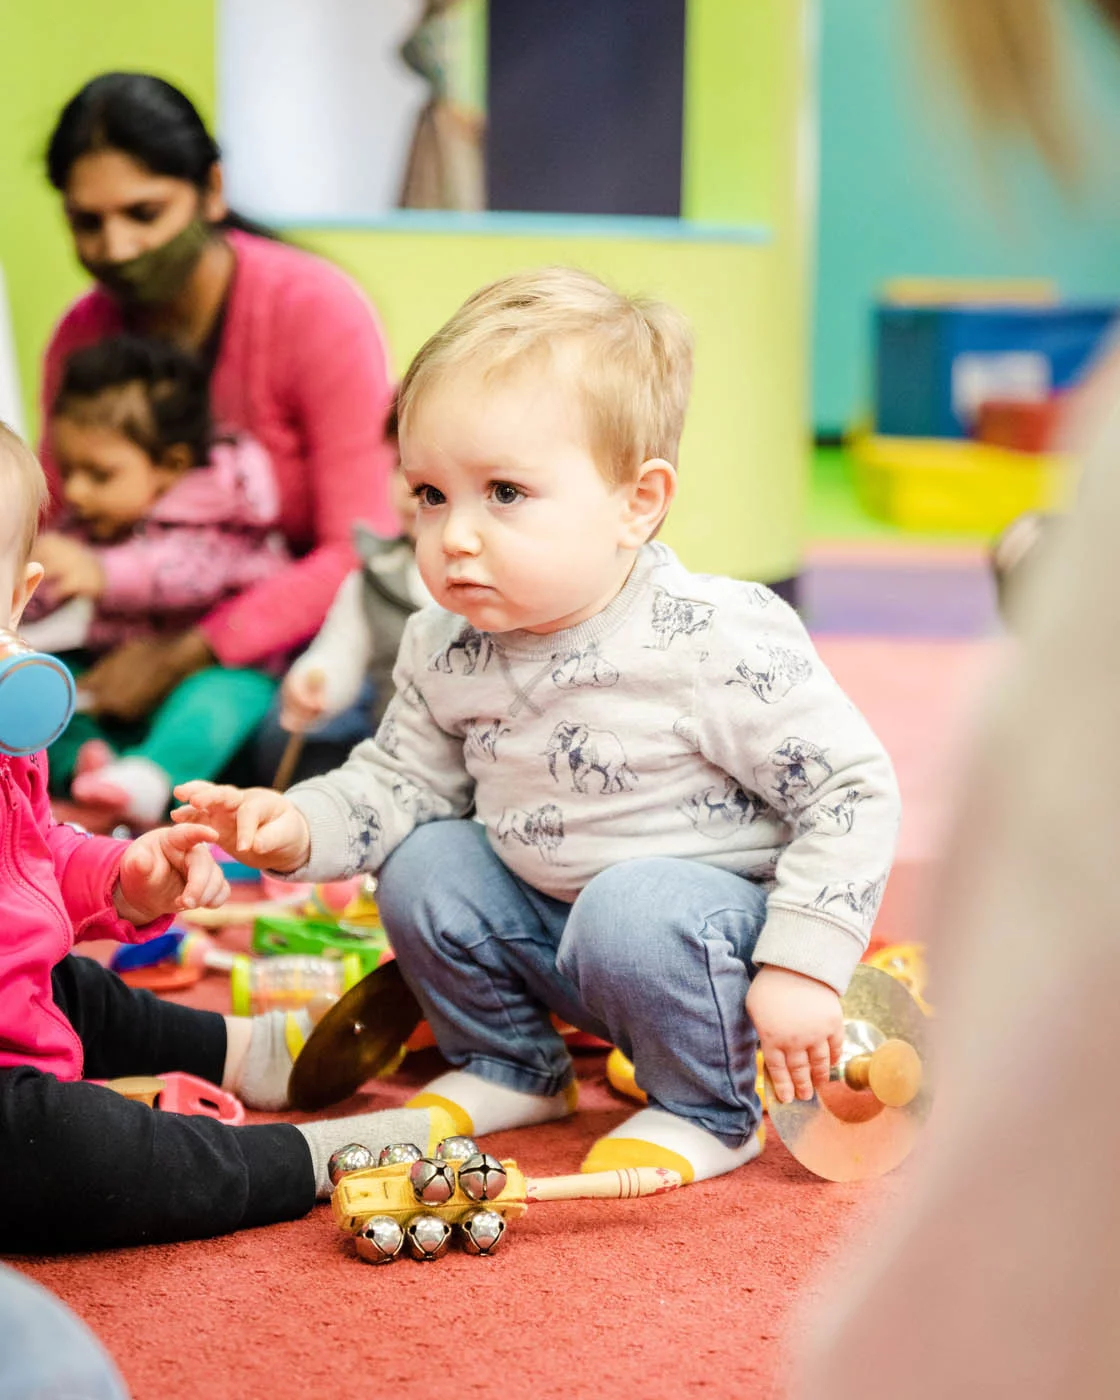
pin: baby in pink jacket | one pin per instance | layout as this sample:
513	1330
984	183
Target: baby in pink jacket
80	1166
162	524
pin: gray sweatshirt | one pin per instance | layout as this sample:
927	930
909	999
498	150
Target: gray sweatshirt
690	718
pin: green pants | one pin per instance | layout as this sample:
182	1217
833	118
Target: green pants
193	734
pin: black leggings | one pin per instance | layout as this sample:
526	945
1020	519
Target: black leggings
83	1168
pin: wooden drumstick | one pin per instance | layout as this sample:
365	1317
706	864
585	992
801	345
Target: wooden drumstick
286	768
619	1185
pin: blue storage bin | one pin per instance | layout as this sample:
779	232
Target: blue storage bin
934	363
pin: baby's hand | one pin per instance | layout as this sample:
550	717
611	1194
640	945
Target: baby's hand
800	1028
258	826
72	569
302	699
168	869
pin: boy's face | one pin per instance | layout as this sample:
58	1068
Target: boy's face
108	481
516	527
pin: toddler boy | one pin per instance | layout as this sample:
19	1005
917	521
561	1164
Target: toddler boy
682	826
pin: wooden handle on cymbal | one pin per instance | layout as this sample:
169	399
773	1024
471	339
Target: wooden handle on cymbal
893	1073
618	1185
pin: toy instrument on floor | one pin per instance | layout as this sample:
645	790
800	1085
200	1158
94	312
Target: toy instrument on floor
867	1120
36	697
419	1204
865	1123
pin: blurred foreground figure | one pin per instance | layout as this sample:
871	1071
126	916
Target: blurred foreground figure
1000	1273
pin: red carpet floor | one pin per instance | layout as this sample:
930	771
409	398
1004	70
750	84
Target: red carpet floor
680	1295
697	1293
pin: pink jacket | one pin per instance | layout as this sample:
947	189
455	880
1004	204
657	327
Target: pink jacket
56	888
208	538
302	368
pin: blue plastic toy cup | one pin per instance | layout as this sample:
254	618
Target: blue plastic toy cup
36	697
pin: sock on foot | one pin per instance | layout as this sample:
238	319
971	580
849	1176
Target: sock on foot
94	754
261	1078
479	1107
135	788
654	1138
426	1127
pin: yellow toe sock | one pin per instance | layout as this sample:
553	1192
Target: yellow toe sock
447	1112
613	1153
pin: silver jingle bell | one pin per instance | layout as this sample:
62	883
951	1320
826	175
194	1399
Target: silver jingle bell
457	1149
398	1152
433	1181
482	1231
428	1236
354	1157
482	1177
380	1240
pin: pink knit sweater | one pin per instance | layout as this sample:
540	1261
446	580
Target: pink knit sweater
302	368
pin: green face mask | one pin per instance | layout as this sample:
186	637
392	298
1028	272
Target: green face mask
158	275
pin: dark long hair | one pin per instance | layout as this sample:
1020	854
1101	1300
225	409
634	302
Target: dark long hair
145	118
174	408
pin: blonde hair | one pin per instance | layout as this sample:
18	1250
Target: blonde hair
1011	66
19	468
632	369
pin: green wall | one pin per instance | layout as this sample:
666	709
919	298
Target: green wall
48	48
744	455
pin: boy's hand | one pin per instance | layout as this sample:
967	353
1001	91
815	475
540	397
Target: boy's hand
258	826
166	870
800	1028
303	700
71	568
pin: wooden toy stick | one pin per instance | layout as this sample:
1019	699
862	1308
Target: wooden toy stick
288	760
618	1185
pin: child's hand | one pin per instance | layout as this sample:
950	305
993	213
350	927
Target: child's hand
169	869
303	699
800	1028
72	569
258	826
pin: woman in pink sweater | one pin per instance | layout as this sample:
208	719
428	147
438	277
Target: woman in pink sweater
296	355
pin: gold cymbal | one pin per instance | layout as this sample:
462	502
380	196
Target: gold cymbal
358	1038
846	1133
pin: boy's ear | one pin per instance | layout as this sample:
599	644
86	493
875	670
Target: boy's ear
21	594
650	495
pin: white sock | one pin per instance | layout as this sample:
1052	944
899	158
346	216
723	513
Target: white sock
257	1071
145	784
425	1127
479	1107
654	1138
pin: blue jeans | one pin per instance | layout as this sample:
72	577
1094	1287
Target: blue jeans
45	1352
654	956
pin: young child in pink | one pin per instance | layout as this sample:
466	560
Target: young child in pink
163	522
80	1166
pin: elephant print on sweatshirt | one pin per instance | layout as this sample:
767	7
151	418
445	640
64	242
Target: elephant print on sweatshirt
590	751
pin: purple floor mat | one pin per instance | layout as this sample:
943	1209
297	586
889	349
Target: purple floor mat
890	599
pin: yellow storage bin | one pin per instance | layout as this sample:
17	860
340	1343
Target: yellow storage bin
934	484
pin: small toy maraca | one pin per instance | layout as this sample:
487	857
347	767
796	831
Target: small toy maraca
36	697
